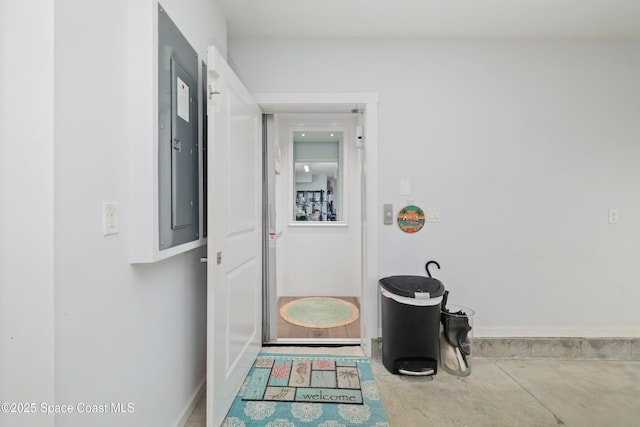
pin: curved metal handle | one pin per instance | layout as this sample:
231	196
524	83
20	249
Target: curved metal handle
417	373
204	259
426	267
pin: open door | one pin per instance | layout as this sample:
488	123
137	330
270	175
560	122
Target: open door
234	269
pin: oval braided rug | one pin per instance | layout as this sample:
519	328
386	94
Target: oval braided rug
319	312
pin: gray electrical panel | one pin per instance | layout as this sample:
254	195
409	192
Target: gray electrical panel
178	151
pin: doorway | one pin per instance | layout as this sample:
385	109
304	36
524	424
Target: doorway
236	295
313	200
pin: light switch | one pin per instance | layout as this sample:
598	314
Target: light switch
405	187
388	214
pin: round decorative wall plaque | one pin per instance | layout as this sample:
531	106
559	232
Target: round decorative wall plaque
411	219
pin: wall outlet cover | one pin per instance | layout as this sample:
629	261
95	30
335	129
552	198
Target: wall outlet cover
433	215
110	220
614	216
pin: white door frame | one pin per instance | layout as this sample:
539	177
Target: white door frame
336	102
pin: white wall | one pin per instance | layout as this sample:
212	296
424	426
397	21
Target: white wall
201	22
523	145
124	333
26	208
71	306
308	262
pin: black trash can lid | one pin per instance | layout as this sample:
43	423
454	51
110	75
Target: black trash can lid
409	286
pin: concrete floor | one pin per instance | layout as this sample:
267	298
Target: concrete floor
499	392
517	393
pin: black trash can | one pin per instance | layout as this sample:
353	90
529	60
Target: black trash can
411	324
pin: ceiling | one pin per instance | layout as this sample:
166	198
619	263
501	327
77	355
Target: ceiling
432	18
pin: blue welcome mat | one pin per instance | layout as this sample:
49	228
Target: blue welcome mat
287	391
319	380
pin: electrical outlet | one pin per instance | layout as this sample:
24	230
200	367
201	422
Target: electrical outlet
433	215
110	220
614	216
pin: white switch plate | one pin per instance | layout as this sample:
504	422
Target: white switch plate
433	215
405	187
614	216
110	220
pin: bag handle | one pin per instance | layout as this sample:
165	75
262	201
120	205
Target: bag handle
427	267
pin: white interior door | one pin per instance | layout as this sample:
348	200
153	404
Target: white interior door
234	272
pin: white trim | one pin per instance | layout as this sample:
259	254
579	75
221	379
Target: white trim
289	98
369	299
193	402
370	219
143	119
322	224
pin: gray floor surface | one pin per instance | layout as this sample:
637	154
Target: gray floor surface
517	393
532	392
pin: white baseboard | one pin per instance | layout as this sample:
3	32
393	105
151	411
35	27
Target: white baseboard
193	402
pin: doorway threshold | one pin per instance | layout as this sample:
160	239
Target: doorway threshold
313	342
